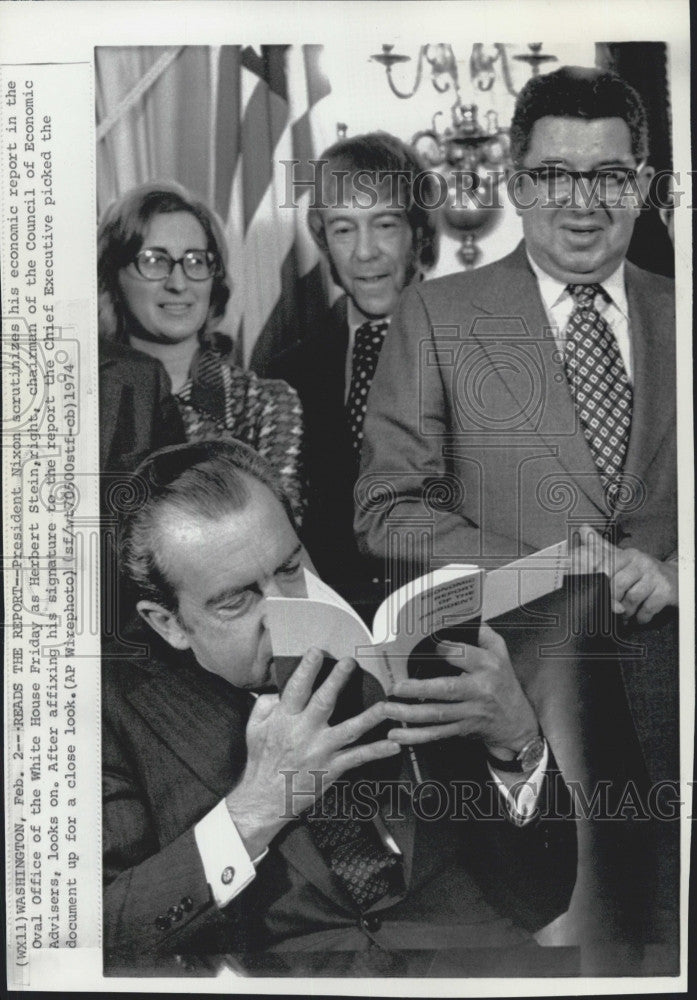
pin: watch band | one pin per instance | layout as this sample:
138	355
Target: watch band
526	759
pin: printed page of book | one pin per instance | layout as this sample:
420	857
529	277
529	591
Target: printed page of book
525	579
446	596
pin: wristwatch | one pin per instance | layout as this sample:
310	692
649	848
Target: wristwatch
526	759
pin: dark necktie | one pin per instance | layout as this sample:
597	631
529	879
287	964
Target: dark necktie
599	387
366	351
354	852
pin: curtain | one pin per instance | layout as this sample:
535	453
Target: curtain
644	66
221	121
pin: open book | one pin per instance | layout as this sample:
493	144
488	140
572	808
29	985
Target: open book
446	597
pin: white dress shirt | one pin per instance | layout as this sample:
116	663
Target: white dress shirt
559	305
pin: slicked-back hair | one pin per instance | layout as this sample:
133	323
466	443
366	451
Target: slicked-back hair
380	153
578	92
120	237
202	481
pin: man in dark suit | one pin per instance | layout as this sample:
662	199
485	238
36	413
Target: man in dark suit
540	391
377	238
206	776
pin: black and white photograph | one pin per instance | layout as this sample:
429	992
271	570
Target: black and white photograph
360	558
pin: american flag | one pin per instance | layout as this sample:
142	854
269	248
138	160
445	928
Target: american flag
265	105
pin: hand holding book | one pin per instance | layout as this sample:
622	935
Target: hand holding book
485	700
456	596
464	690
291	734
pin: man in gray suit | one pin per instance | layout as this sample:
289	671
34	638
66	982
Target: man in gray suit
473	380
533	400
480	389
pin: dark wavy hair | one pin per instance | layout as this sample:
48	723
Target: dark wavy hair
382	153
120	237
578	92
204	481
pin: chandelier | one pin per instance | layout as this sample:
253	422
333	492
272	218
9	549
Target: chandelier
466	144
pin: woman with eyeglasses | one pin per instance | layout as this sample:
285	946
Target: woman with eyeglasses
162	287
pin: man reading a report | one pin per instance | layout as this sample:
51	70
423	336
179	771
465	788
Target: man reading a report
540	390
209	776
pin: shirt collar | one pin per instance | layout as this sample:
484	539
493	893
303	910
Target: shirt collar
552	290
356	318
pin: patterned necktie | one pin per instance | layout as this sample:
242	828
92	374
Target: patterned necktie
354	852
366	351
599	385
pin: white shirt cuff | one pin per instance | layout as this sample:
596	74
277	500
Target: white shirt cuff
521	798
226	863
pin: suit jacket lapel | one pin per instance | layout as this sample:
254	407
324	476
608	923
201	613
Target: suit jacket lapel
331	374
520	329
298	848
653	364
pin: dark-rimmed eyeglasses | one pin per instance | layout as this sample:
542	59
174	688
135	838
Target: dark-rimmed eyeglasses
605	182
197	265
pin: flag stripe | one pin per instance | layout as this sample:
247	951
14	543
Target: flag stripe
264	120
317	81
299	296
270	67
228	149
277	285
